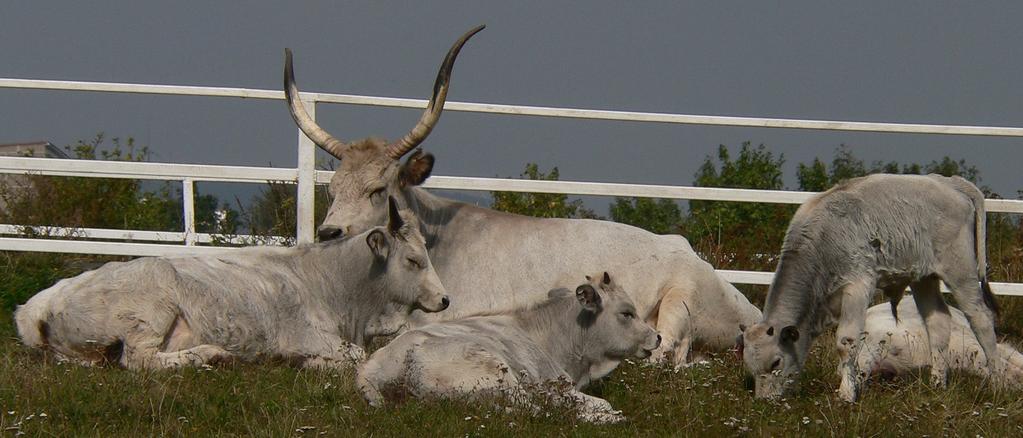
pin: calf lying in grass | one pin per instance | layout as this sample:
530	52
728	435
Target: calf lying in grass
317	305
892	348
571	337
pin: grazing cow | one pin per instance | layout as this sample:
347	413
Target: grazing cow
496	260
893	348
575	338
876	232
317	305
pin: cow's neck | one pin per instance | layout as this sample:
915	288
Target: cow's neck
354	285
798	295
553	326
434	213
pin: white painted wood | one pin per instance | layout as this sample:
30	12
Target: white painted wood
140	235
305	222
112	87
306	175
765	278
523	110
616	189
96	233
188	215
106	248
117	169
149	171
143	249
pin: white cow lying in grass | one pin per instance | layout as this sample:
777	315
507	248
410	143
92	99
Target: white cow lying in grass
316	305
571	337
892	348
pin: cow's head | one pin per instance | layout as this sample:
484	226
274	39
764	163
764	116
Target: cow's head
371	169
774	356
613	329
402	264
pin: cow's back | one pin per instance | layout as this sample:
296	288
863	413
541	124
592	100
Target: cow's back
501	261
445	358
907	221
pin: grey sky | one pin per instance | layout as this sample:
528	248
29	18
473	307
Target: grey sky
913	62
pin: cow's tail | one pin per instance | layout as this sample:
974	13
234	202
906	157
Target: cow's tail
30	319
979	238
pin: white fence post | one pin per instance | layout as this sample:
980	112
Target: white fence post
188	215
304	198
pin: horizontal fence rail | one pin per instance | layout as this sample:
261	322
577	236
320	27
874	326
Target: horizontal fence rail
520	110
188	241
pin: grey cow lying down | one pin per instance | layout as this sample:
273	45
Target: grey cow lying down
892	348
571	337
316	305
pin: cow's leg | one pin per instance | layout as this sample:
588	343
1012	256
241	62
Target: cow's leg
145	331
345	357
849	336
968	294
674	324
195	356
329	351
937	325
595	410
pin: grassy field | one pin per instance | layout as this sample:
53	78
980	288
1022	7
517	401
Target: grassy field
41	398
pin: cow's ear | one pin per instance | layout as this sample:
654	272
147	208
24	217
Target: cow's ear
378	244
394	220
740	346
588	297
790	334
417	168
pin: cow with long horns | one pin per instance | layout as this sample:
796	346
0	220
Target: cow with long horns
492	260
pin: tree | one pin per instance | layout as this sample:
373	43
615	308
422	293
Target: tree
78	202
739	234
817	177
540	204
93	202
273	211
660	216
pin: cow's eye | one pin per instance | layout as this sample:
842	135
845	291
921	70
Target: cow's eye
776	364
414	263
377	196
628	315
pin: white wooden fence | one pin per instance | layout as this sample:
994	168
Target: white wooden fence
306	176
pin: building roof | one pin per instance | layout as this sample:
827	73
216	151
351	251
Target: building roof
43	149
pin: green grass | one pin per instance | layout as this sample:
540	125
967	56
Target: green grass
254	400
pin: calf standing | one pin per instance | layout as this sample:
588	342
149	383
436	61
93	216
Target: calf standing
569	337
316	304
876	232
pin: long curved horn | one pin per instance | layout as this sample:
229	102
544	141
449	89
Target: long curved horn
315	133
432	114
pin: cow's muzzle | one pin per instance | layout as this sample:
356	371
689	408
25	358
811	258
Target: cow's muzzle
436	306
648	347
326	233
